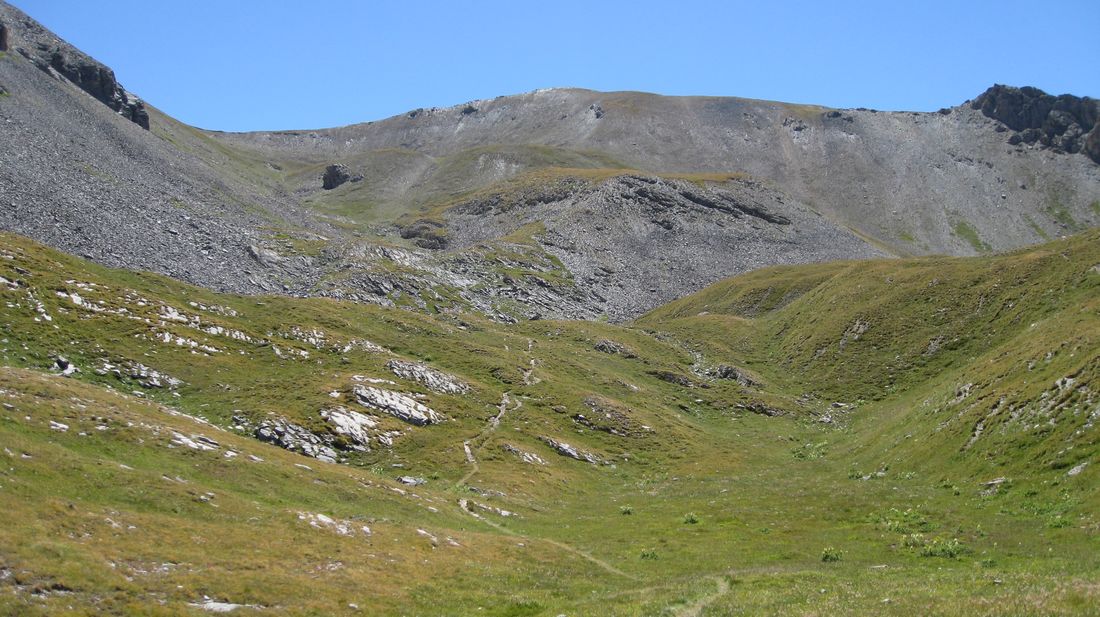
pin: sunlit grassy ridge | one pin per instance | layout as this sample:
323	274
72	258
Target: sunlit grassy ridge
950	374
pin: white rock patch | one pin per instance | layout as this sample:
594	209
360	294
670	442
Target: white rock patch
398	405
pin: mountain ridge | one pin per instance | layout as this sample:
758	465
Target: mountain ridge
390	227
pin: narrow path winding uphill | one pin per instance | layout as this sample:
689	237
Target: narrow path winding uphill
494	422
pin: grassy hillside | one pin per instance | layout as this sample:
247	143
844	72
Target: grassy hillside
940	458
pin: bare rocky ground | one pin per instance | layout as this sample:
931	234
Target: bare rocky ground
426	210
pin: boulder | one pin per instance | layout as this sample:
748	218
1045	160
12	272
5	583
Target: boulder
265	256
335	175
3	38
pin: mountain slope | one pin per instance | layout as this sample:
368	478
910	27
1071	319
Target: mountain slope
906	179
416	216
992	355
683	484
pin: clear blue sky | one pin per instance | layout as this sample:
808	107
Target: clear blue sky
268	64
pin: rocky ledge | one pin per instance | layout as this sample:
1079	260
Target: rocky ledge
1064	123
56	57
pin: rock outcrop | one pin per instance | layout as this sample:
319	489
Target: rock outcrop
527	457
335	175
296	438
397	405
436	381
352	425
613	348
56	57
572	452
1065	123
137	372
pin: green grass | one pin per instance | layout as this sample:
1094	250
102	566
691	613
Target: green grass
704	507
1039	231
967	232
1060	213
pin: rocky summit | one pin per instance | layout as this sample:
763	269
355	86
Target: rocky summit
557	353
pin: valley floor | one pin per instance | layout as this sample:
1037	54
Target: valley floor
702	496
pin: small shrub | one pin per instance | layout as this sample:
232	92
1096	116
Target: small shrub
626	510
915	540
690	518
651	555
939	547
1057	522
935	547
906	521
830	554
810	451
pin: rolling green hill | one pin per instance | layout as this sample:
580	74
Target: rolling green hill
905	437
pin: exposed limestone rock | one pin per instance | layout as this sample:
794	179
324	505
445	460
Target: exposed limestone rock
398	405
993	486
488	508
352	425
527	457
144	376
725	371
412	480
611	347
265	256
338	526
434	380
213	606
195	442
565	449
295	438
